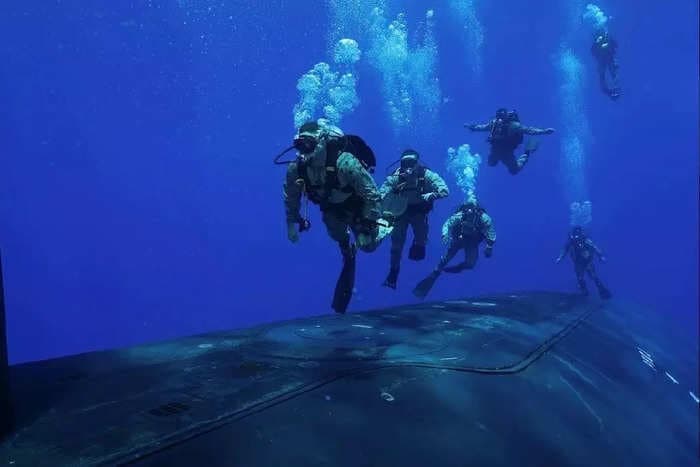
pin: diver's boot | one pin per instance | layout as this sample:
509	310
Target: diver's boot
416	252
391	278
603	291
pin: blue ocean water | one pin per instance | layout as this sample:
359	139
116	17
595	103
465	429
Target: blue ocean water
139	200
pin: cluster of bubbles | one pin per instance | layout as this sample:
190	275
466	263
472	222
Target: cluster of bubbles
580	213
350	18
347	52
464	165
575	124
332	94
328	128
410	83
465	12
596	17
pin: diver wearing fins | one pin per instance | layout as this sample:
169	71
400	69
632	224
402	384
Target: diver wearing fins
463	230
604	50
505	135
332	170
408	196
582	251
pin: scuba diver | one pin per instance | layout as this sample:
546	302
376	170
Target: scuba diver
332	170
407	196
463	230
604	50
582	251
505	135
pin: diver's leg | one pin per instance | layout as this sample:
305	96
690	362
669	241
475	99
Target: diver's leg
452	250
602	290
471	255
419	224
337	226
613	68
530	147
601	79
468	262
514	166
398	239
369	239
580	268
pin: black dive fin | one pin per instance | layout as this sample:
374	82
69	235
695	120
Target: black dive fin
457	268
423	288
531	146
344	286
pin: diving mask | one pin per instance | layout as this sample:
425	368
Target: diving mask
305	144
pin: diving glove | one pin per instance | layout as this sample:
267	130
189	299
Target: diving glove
428	197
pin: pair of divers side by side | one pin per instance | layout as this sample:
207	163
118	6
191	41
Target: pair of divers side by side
334	171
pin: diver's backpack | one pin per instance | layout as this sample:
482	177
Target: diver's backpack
352	144
355	146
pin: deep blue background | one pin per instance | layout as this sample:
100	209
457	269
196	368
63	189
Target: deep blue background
138	200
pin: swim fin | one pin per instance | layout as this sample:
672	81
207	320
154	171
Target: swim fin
531	146
345	284
604	292
423	288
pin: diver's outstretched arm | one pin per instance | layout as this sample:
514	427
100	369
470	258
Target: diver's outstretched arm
564	251
479	126
532	130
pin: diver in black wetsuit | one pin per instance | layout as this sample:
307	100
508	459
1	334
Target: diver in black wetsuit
505	135
583	251
604	50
